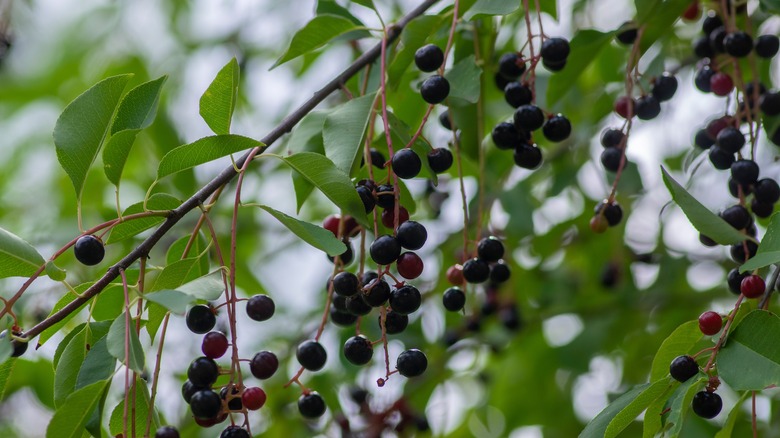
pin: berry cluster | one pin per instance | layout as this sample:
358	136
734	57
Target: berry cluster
435	88
706	404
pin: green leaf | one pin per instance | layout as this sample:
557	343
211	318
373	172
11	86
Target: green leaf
750	360
176	252
98	364
314	235
202	151
6	349
173	300
705	221
67	369
598	425
629	413
401	135
768	250
343	129
413	37
55	272
315	34
109	303
6	367
464	81
136	111
332	182
681	404
491	7
17	257
659	18
126	230
770	6
728	426
142	399
585	46
116	344
219	100
62	302
175	274
680	342
70	418
82	126
209	287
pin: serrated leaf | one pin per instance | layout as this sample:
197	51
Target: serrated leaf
202	151
69	420
219	99
628	414
136	111
585	46
116	344
679	342
598	425
705	221
464	81
343	131
82	126
768	250
55	272
128	229
142	399
173	300
332	182
17	257
491	7
314	235
98	364
315	34
750	360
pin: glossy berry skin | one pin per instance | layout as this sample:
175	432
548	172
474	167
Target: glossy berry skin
707	404
476	270
440	160
385	197
444	120
529	117
214	345
499	272
377	158
409	265
203	371
627	33
166	432
511	65
769	103
721	84
683	368
253	398
624	107
234	432
664	87
760	209
611	138
717	37
555	50
612	212
89	250
345	257
517	94
388	217
738	44
703	78
527	156
411	363
311	405
342	318
367	198
428	58
711	22
506	136
346	284
701	47
358	350
767	191
205	404
394	322
376	291
745	172
263	365
710	323
200	319
767	46
385	250
260	307
435	89
557	128
648	107
405	300
454	299
720	158
730	139
553	66
490	249
188	389
406	163
734	188
610	159
752	286
311	355
737	216
702	140
738	254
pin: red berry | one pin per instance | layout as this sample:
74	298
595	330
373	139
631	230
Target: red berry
624	105
721	84
214	345
715	126
455	275
253	398
710	323
692	12
752	286
331	223
388	217
410	265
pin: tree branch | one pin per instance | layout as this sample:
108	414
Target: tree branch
228	174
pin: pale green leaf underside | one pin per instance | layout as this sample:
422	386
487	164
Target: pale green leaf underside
202	151
342	132
315	34
126	230
314	235
17	257
219	99
116	344
750	360
638	405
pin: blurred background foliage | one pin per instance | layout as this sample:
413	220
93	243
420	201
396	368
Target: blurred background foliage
593	308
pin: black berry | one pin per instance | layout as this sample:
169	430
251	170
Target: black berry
767	191
200	319
260	307
701	47
311	405
557	128
444	120
761	209
648	107
358	350
490	249
511	65
406	163
205	404
311	355
188	389
428	58
664	87
610	158
89	250
737	216
555	49
745	172
345	283
769	103
627	33
506	136
376	291
683	368
341	318
203	371
435	89
734	187
711	22
385	250
703	140
721	159
346	256
405	299
454	299
738	254
706	404
411	363
553	66
529	117
411	235
767	46
499	272
166	432
517	94
717	38
377	158
367	198
734	280
476	270
19	347
356	305
527	156
702	78
440	160
611	138
738	44
385	197
395	322
263	365
234	432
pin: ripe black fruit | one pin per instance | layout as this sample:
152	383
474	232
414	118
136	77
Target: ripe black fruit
553	66
260	307
745	172
358	350
702	79
707	241
444	120
203	371
737	251
707	404
385	250
760	209
627	33
166	432
490	249
311	405
411	363
405	299
703	140
205	404
428	58
394	322
234	432
385	197
557	128
89	250
346	256
411	235
611	157
734	280
517	94
767	46
406	163
527	156
529	117
737	216
701	47
377	158
378	292
345	283
711	22
555	49
200	319
611	138
341	318
440	160
770	103
188	389
454	299
311	355
738	44
683	368
476	270
721	159
499	272
664	87
735	186
263	365
367	198
435	89
648	107
511	65
767	191
506	135
356	305
717	38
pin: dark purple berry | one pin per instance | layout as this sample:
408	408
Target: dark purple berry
738	44
711	22
701	47
720	158
553	66
203	371
367	198
263	365
435	89
490	249
376	291
395	322
358	350
499	272
761	209
664	87
745	172
345	283
717	38
311	355
411	363
341	318
428	58
377	159
738	254
627	33
205	404
311	405
683	368
260	307
707	404
234	432
406	163
411	235
527	156
517	94
734	280
734	187
405	300
529	117
440	160
511	65
703	140
454	299
188	389
476	270
19	347
611	138
769	103
767	46
357	306
702	79
89	250
707	241
557	128
444	120
610	158
737	216
385	250
648	107
385	197
200	319
506	136
166	432
555	49
767	191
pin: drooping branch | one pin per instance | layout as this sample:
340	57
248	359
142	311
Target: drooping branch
229	173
